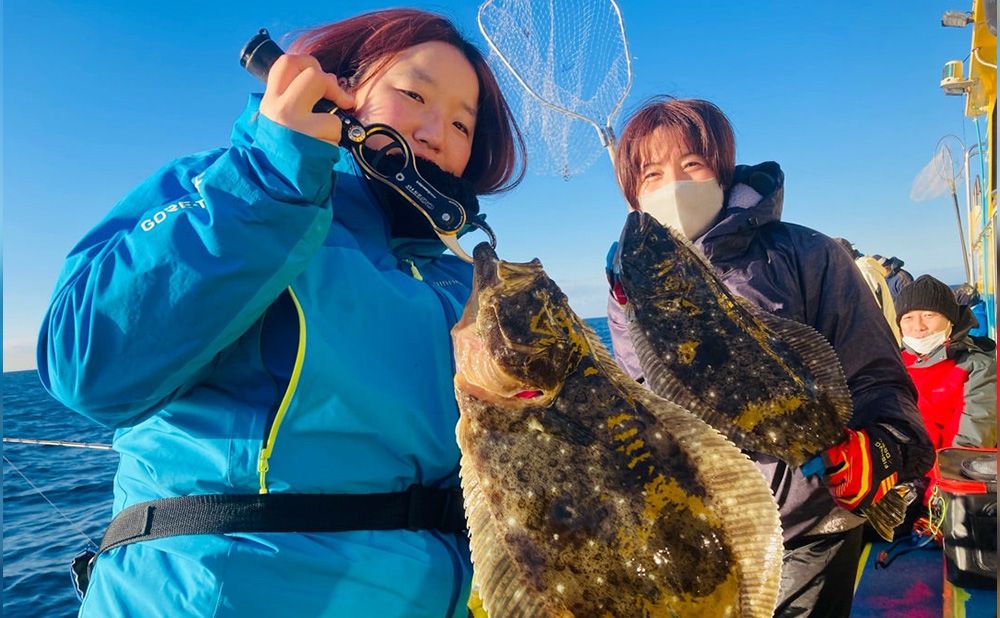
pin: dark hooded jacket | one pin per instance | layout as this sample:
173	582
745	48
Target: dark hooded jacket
802	275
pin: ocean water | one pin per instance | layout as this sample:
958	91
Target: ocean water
39	539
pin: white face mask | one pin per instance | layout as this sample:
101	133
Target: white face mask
688	206
926	345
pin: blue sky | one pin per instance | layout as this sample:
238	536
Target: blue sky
844	95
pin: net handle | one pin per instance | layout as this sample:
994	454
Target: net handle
606	134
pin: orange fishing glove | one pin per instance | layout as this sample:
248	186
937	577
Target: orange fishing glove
862	469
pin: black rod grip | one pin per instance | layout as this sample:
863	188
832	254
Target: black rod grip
260	53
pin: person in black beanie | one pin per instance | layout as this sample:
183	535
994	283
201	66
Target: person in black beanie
929	294
955	379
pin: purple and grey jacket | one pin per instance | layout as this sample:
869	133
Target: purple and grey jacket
802	275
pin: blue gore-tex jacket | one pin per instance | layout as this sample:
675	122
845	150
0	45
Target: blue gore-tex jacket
248	304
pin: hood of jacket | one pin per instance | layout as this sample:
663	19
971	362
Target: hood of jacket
754	200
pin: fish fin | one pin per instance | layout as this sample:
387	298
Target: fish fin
889	512
502	588
737	491
819	358
740	496
605	359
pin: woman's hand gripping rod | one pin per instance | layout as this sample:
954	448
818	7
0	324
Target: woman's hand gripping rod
399	172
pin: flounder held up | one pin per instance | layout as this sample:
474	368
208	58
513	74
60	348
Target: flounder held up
771	385
586	495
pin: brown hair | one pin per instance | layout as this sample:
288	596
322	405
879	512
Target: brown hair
364	44
700	125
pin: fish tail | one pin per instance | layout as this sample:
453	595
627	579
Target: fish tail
740	497
889	512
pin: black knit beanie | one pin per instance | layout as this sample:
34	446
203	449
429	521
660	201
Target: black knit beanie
927	294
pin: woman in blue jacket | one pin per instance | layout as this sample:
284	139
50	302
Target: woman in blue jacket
676	161
261	320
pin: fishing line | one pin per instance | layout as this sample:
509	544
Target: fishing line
922	535
44	497
68	443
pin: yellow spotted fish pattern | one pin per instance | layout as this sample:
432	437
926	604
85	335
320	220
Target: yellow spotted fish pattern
587	495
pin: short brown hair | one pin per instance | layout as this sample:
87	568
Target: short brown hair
365	43
701	125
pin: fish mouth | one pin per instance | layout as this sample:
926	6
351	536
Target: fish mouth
479	375
638	226
486	262
484	276
643	244
463	385
629	245
476	373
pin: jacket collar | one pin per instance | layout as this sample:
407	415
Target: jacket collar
933	357
755	199
244	128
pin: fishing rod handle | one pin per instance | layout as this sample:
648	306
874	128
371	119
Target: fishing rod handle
260	54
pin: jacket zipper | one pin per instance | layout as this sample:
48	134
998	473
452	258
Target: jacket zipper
271	436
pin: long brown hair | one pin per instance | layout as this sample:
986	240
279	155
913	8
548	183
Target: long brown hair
362	45
701	125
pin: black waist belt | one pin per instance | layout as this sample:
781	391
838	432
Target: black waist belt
417	508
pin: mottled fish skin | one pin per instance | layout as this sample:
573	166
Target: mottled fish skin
586	495
772	386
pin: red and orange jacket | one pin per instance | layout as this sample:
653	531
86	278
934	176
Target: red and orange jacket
957	391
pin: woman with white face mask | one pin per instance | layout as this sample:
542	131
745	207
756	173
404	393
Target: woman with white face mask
676	162
955	380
